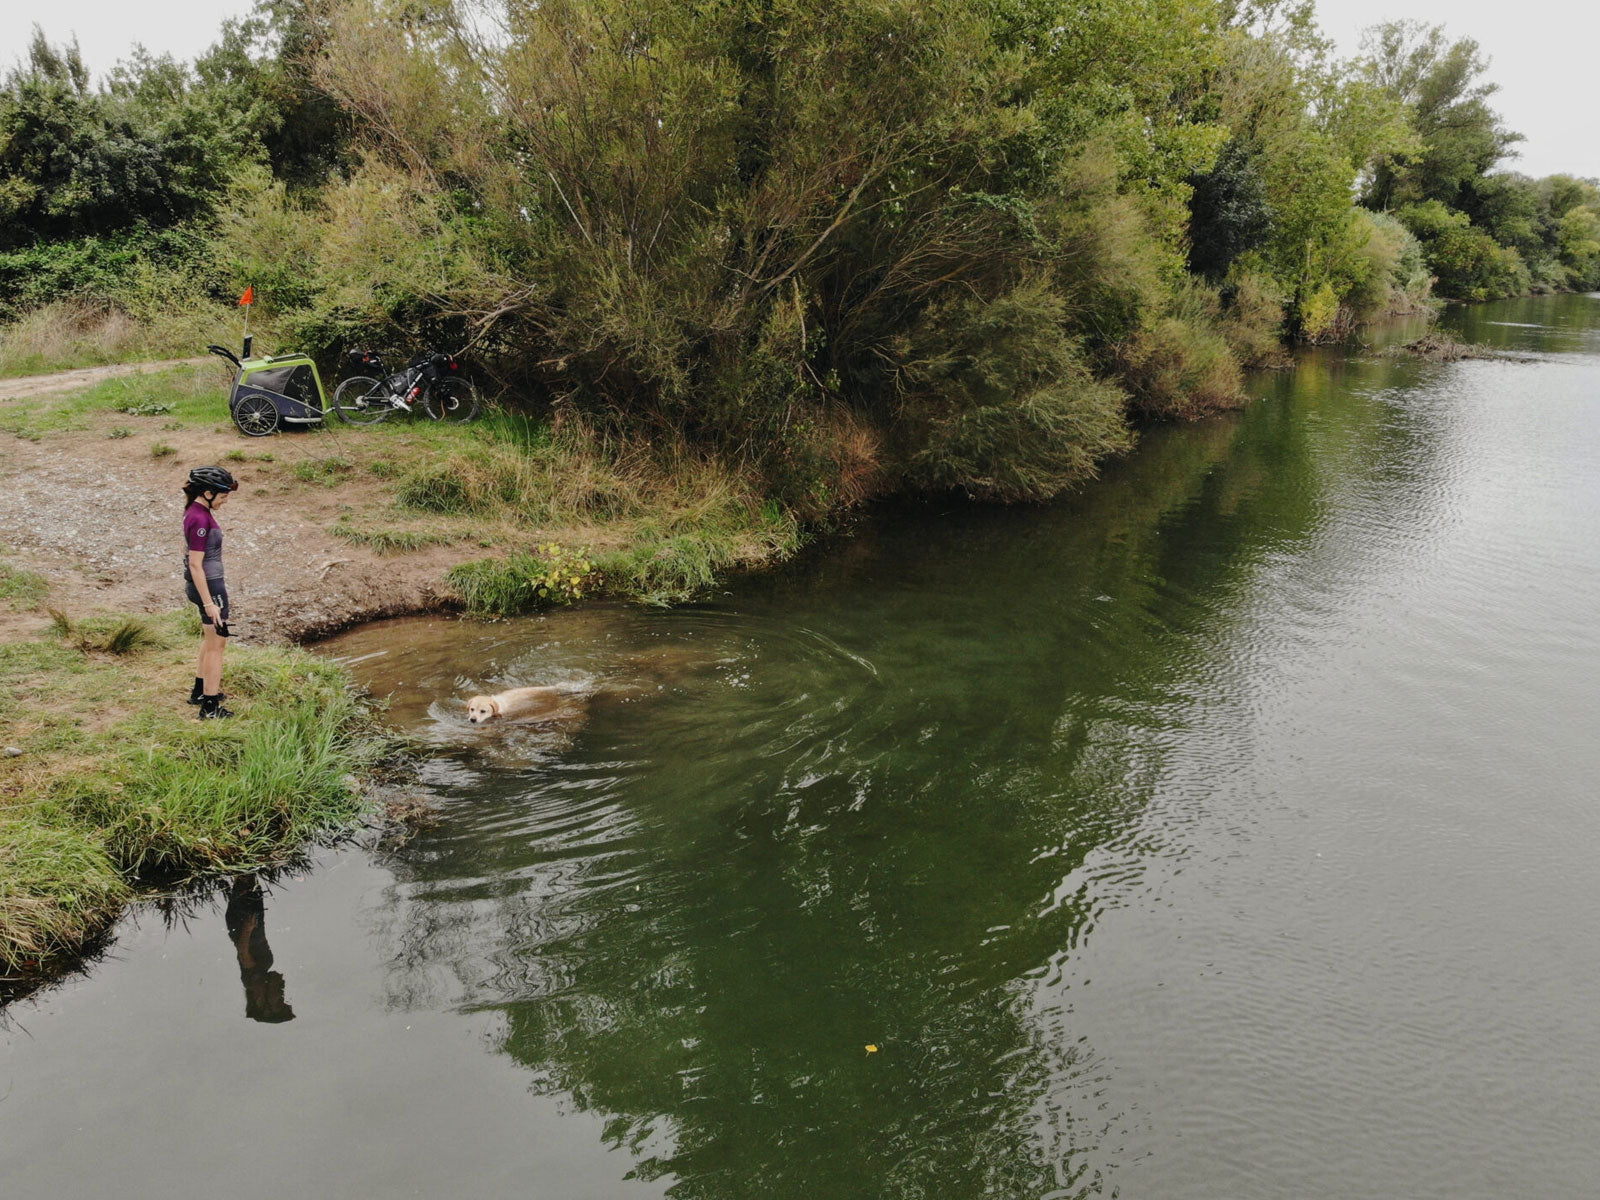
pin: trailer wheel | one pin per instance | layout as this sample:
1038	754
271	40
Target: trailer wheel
256	416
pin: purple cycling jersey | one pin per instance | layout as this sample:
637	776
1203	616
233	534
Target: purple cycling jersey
201	532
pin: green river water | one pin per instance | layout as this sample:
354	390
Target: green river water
1230	830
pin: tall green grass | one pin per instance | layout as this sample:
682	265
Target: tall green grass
661	563
58	889
666	522
118	783
394	541
65	334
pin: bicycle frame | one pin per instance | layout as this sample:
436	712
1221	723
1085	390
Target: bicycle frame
406	387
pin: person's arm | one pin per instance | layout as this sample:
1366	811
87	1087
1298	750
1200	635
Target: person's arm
202	585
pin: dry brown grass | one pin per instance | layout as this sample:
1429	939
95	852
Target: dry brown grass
74	333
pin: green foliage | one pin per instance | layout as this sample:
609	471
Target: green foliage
547	576
261	70
1228	213
1319	313
1252	316
1182	366
1440	84
1373	268
1578	245
1468	263
732	236
801	239
996	401
1484	235
74	162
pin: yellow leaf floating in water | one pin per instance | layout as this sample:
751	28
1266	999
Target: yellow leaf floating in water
872	1049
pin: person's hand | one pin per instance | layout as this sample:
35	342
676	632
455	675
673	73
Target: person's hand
214	611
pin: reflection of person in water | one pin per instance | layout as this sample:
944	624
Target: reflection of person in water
246	920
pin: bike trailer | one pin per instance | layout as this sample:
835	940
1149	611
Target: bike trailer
269	393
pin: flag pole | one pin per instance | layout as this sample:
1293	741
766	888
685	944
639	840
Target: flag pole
247	302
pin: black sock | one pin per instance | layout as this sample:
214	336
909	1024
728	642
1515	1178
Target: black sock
199	688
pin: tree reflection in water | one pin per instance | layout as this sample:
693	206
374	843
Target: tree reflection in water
908	782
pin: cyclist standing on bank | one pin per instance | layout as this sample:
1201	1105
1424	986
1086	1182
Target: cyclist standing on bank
207	490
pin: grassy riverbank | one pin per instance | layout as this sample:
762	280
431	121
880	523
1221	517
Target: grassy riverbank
464	505
115	783
108	782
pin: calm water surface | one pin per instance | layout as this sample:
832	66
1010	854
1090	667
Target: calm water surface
1229	831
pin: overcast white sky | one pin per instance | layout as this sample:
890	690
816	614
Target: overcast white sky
1542	52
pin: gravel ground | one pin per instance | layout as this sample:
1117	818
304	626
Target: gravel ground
67	381
101	520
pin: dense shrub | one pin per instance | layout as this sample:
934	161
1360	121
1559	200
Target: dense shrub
1467	263
994	399
1182	367
1252	316
143	272
75	162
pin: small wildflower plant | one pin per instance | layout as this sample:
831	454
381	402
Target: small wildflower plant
568	572
548	575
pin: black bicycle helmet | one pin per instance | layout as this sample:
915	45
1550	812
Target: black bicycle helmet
212	479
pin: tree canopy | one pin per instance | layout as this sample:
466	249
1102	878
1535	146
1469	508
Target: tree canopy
957	246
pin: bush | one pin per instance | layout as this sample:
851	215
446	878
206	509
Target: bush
996	400
143	272
74	161
1181	367
1320	315
549	575
1468	263
1252	317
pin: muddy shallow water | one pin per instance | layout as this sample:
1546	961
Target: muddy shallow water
1229	830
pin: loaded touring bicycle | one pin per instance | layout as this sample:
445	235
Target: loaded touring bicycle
431	384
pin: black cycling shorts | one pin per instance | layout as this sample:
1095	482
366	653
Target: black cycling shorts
219	593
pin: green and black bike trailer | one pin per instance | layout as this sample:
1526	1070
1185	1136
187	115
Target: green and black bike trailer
271	393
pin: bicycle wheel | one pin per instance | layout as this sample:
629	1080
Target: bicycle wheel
453	400
361	400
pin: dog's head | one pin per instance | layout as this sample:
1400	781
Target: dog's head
482	708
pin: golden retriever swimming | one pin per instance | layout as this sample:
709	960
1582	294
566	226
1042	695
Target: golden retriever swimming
518	702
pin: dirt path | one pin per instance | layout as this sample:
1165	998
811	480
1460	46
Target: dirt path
100	519
68	381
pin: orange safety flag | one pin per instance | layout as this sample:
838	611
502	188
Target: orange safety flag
249	297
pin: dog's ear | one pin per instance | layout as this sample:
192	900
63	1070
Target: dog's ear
494	705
